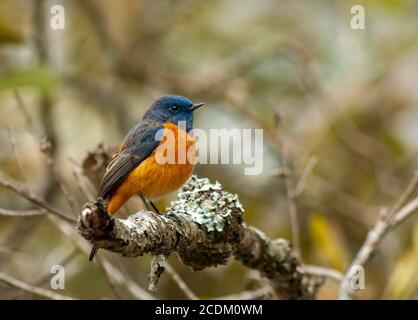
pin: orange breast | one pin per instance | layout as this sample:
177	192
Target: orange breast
165	171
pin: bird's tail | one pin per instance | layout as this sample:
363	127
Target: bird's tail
93	253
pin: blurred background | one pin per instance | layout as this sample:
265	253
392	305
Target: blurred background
340	106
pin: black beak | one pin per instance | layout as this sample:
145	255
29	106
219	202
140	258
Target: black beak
196	106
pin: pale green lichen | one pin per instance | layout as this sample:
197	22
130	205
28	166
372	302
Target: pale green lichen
206	203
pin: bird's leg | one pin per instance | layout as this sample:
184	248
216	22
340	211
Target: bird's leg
154	206
145	202
149	204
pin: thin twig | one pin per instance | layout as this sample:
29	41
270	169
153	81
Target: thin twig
79	177
300	186
324	272
290	196
47	277
376	234
21	213
41	292
114	285
29	121
64	262
19	189
17	158
180	282
404	213
68	195
409	191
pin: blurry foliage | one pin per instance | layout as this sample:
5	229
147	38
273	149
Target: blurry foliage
403	279
8	36
327	242
348	97
36	78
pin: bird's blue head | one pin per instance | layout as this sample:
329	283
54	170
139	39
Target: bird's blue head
174	109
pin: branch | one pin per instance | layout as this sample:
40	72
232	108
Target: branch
21	213
325	272
290	190
21	190
204	228
180	282
41	292
45	278
399	213
300	186
16	156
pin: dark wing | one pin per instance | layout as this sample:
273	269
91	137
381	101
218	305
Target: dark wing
138	145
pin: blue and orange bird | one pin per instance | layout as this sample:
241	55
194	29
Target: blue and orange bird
135	169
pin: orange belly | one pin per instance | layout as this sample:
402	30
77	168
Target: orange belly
155	179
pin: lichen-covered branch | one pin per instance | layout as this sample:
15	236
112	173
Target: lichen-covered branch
204	227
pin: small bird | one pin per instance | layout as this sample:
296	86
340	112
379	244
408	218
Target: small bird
135	169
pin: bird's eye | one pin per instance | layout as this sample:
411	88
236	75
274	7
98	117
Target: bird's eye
174	108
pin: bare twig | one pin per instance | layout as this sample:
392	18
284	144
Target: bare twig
390	220
41	292
324	272
80	179
409	191
120	279
403	213
300	186
22	191
21	213
64	262
17	158
294	219
46	148
180	282
28	118
290	196
47	277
